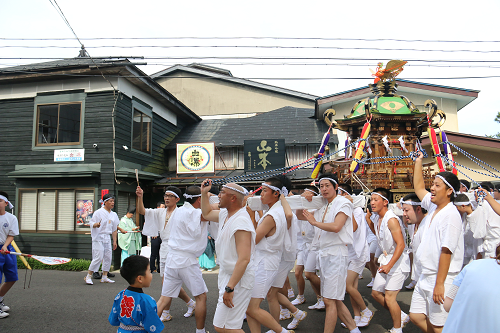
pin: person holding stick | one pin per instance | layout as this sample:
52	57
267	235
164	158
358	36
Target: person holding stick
9	227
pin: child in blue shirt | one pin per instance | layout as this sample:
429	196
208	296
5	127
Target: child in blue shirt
132	309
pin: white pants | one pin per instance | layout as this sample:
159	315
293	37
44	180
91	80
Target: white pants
101	253
333	271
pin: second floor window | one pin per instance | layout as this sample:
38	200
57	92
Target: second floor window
141	132
58	124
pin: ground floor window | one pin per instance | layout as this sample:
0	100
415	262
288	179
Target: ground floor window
55	209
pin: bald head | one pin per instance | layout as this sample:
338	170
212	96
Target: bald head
237	190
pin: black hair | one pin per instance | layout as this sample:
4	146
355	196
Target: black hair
214	190
497	253
4	194
174	189
131	210
462	197
134	266
108	196
159	203
497	187
466	183
346	187
452	180
312	188
414	198
193	190
329	175
368	205
385	192
488	186
280	181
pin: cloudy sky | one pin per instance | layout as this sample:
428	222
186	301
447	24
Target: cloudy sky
317	47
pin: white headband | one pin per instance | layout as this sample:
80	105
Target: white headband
103	201
460	203
464	186
171	192
306	189
446	182
244	192
412	203
189	196
380	195
333	180
342	190
7	201
283	190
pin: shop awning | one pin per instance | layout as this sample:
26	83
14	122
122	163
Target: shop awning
56	170
130	173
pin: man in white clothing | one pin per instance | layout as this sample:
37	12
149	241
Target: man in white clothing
394	260
104	223
235	246
156	221
441	251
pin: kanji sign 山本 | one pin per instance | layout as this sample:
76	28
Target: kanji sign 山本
265	154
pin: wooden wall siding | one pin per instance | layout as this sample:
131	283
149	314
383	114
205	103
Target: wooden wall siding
163	133
56	245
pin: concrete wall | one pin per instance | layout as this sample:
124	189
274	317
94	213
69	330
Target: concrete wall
206	96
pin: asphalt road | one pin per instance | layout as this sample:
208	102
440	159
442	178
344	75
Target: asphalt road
60	301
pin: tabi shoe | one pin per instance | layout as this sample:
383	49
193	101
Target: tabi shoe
365	319
299	300
4	307
96	276
296	320
411	285
370	285
405	319
3	314
111	274
88	279
190	310
165	316
105	279
291	293
321	305
360	276
285	314
314	306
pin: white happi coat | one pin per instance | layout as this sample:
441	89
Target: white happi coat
270	248
188	237
388	245
485	223
225	246
154	223
359	249
330	243
443	229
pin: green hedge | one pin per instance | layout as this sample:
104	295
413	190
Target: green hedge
73	265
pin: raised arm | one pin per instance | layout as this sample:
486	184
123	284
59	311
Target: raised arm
140	203
266	228
418	178
208	213
287	210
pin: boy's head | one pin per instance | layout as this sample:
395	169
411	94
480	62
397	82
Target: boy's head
412	209
135	269
464	185
462	202
380	199
4	202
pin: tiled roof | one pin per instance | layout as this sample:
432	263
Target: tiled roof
295	125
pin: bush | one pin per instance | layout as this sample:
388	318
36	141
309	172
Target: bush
73	265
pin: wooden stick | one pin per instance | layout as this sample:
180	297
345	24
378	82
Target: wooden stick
25	262
137	216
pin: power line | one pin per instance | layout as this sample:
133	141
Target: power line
275	47
267	38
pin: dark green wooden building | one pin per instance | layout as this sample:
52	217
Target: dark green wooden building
67	134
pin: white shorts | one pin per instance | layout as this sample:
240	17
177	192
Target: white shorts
232	318
301	257
391	281
312	262
333	274
374	246
356	265
422	302
191	276
263	281
163	257
283	270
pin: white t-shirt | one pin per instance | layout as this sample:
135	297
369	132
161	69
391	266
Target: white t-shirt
329	241
109	223
443	229
270	248
225	246
188	237
8	227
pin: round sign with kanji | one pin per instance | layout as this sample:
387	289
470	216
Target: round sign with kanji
195	158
